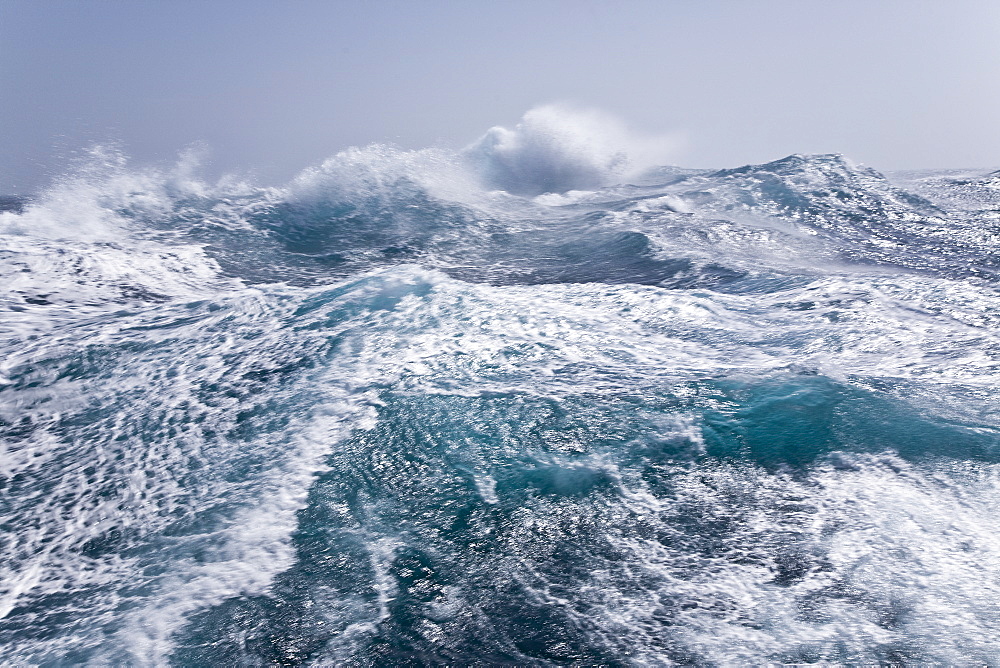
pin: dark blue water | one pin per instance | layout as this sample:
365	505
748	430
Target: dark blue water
415	409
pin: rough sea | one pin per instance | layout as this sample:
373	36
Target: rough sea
514	404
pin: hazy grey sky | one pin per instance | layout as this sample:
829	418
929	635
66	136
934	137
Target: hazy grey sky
275	86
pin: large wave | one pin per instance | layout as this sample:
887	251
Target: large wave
535	401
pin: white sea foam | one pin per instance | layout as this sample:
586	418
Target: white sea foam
384	175
167	419
101	198
885	556
137	478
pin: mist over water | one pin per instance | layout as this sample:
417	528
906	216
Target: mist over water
542	401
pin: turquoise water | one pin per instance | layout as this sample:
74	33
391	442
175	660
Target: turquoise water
407	410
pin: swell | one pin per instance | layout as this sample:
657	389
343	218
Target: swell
377	207
412	408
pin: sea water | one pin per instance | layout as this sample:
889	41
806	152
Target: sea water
520	403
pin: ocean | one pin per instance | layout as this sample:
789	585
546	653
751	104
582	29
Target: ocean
513	404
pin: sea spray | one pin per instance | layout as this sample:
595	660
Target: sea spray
529	402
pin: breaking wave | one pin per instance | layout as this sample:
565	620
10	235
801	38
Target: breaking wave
538	401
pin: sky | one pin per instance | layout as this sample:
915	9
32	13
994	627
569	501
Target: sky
271	87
